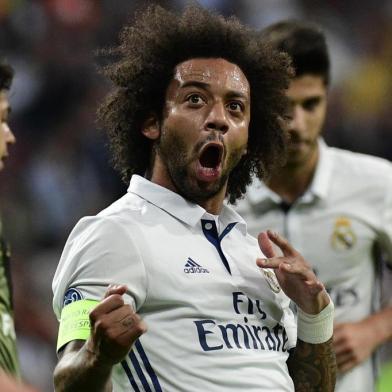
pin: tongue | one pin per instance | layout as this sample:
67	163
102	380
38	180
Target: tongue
208	174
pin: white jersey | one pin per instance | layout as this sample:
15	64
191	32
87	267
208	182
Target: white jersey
337	225
215	321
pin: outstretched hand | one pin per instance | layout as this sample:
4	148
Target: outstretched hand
114	327
294	274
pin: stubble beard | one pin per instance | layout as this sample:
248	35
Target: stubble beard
173	152
296	161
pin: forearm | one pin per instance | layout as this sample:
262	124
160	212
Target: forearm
80	371
312	364
380	324
313	367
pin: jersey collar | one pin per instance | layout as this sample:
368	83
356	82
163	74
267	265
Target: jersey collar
321	180
258	193
177	206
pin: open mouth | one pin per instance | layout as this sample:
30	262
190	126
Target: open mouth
210	162
211	155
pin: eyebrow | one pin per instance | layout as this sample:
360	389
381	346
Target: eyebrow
205	86
311	98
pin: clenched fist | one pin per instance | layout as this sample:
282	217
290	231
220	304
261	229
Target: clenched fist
114	327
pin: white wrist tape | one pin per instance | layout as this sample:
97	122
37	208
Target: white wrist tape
316	328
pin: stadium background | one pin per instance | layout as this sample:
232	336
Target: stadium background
58	171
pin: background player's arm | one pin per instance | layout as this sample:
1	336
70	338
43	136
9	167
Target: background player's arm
86	366
311	366
354	342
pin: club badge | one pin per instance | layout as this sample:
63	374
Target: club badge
343	236
271	279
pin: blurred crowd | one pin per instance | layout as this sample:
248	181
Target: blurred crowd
59	169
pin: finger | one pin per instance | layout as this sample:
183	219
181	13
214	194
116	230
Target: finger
346	364
115	289
118	322
338	334
343	358
282	243
347	367
265	244
303	272
131	325
107	305
341	349
274	262
119	314
134	323
341	345
131	334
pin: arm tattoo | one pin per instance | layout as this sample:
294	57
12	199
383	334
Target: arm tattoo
313	367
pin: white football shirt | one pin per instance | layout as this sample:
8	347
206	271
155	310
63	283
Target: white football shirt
215	321
337	225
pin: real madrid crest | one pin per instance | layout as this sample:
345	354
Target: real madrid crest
343	236
271	279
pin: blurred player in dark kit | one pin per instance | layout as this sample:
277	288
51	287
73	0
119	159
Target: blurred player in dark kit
9	363
8	353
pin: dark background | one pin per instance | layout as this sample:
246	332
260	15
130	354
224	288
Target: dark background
58	171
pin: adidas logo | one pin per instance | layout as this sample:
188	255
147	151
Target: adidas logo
191	267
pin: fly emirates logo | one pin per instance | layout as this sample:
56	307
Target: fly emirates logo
250	334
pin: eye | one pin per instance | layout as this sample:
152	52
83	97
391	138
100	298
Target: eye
236	106
195	99
310	104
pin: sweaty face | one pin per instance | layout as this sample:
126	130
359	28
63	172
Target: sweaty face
6	136
308	98
204	132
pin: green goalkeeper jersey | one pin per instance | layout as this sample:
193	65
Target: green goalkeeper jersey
8	352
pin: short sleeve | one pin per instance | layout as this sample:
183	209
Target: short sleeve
99	251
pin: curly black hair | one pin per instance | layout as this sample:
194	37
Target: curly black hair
148	53
304	42
6	76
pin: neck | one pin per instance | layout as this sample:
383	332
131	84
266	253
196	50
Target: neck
291	181
214	204
159	175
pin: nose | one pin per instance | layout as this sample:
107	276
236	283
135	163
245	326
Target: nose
9	136
297	122
216	119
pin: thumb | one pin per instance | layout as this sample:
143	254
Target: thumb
265	245
115	289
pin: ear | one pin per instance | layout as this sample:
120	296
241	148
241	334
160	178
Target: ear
151	128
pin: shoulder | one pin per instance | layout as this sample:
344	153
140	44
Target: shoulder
98	251
120	217
256	193
358	164
367	176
